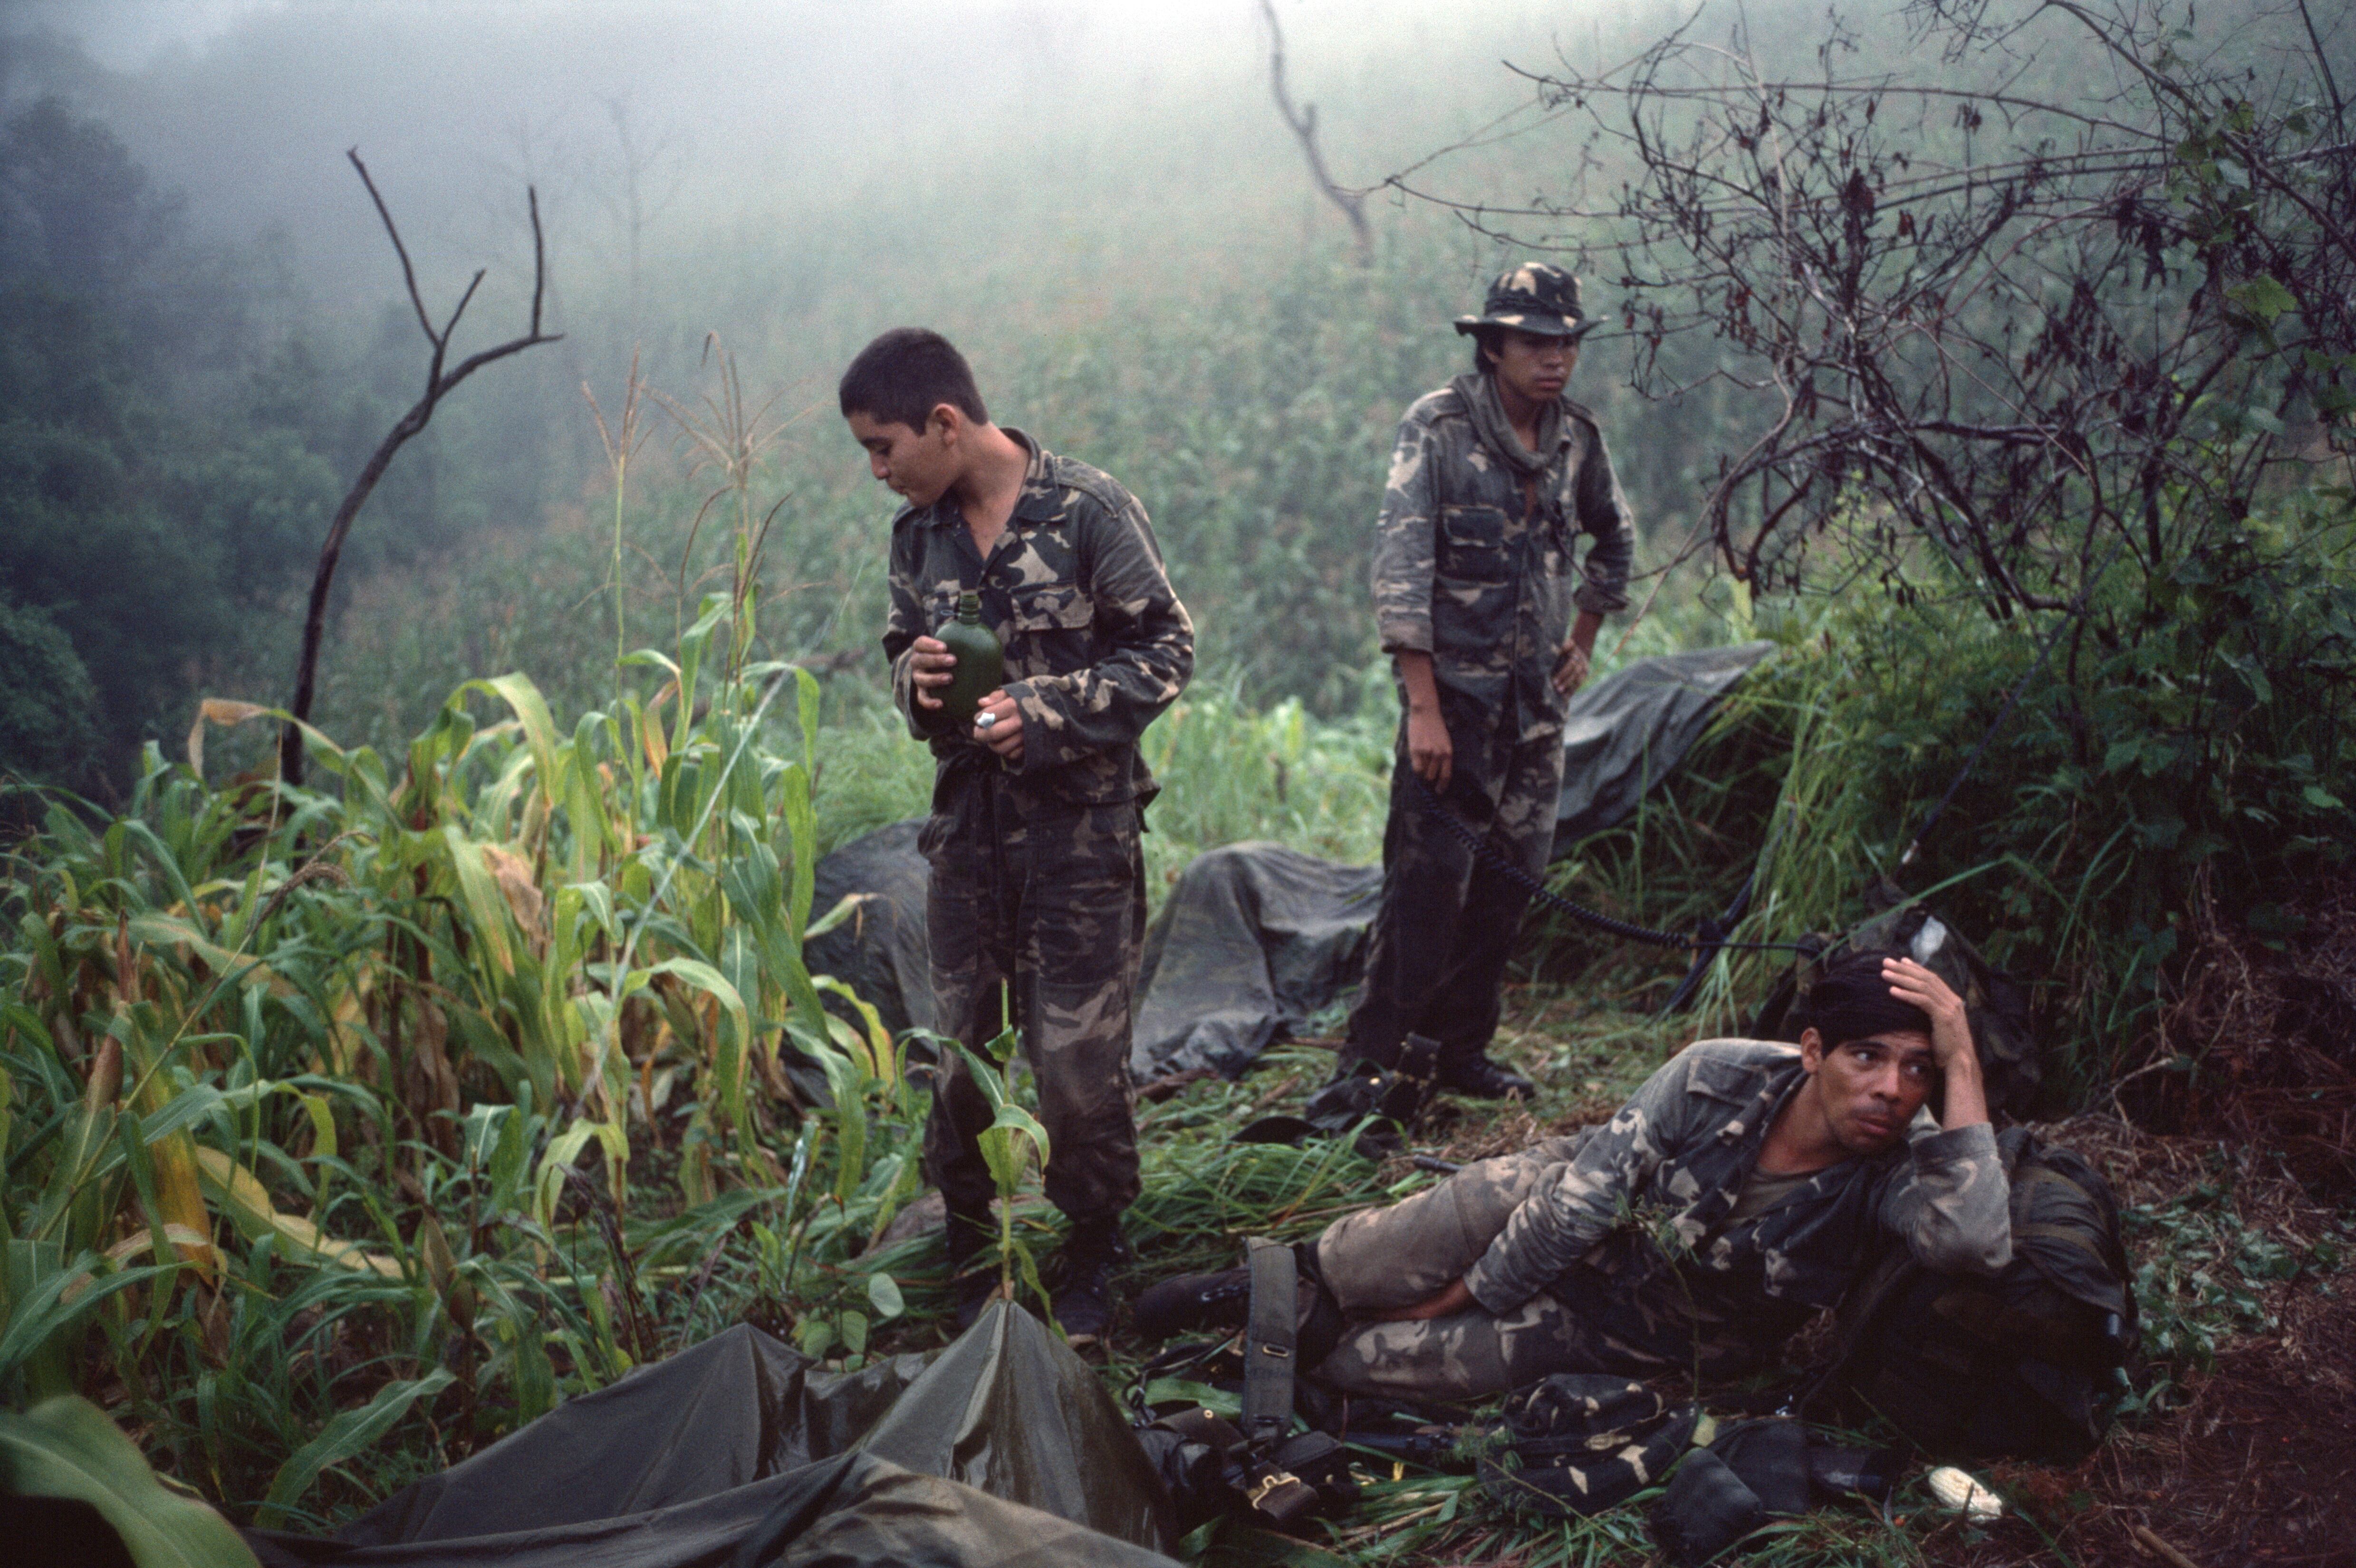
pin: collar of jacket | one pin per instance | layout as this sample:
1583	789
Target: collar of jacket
1036	504
1712	1172
1479	390
1772	1089
1745	1134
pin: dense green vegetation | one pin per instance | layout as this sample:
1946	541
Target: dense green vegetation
174	432
2176	766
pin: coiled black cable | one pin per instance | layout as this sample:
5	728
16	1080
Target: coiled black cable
1702	939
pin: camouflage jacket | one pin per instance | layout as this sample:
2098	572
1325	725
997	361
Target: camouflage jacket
1097	643
1473	554
1633	1236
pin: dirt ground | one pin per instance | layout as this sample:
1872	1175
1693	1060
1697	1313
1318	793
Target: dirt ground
2258	1467
2256	1463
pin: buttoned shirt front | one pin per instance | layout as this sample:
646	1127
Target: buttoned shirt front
1473	560
1096	643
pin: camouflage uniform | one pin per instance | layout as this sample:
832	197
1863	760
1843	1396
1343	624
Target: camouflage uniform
1036	873
1473	565
1614	1250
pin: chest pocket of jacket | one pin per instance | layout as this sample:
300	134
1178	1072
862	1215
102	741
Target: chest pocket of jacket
1049	629
1727	1082
1051	607
1474	547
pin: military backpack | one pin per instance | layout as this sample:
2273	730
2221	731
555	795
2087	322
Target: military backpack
2022	1364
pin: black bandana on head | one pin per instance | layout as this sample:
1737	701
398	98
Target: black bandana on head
1851	1001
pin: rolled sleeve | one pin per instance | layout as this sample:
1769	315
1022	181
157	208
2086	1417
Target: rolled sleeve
1954	1205
1405	548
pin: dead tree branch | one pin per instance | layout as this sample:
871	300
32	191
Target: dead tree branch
439	384
1303	124
2009	328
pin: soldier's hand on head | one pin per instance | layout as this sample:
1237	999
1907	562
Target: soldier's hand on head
1951	1038
1951	1027
1004	733
929	663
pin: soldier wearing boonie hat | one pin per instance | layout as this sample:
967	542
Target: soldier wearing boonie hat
1535	297
1475	581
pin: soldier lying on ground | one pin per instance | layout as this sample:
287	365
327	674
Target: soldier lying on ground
1741	1190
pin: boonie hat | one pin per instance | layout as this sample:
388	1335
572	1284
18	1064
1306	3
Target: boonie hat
1537	297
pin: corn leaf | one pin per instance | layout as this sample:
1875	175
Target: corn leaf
222	711
246	1203
353	1432
538	727
68	1448
484	900
40	1299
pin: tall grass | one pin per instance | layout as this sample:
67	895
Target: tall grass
2180	763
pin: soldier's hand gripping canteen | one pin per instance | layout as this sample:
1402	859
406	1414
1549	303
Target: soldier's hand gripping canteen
980	666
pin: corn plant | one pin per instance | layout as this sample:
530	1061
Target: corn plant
323	1104
1013	1135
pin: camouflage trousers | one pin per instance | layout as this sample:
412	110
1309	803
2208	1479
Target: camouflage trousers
1378	1260
1052	901
1448	919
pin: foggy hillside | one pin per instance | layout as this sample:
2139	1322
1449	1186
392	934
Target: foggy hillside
1098	201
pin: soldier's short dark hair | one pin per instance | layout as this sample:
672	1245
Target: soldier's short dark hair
1851	1001
1487	342
905	375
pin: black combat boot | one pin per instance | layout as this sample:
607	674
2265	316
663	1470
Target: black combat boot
1189	1303
1394	1091
971	1284
1083	1295
1476	1077
1185	1303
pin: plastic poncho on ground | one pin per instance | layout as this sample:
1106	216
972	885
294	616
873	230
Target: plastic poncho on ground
1003	1450
1630	730
882	950
1256	937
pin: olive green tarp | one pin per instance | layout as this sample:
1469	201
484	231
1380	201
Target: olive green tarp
1630	730
1003	1451
1256	937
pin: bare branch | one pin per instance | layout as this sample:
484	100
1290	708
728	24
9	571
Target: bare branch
408	273
539	257
1303	124
439	384
452	325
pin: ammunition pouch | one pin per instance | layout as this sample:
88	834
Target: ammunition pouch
1256	1467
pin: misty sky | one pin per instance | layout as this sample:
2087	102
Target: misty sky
752	116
